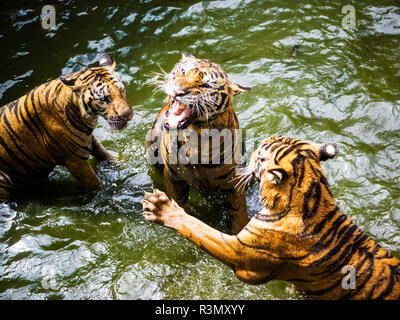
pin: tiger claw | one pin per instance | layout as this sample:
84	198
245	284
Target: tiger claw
158	208
161	196
149	207
148	194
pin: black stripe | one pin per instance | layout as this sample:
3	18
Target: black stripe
333	251
313	192
288	150
367	274
310	153
13	155
25	122
322	223
48	96
324	291
10	129
57	90
87	77
270	217
40	127
262	250
326	239
394	272
46	133
15	109
223	101
23	152
76	121
300	161
29	113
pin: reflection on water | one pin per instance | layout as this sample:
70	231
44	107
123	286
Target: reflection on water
59	241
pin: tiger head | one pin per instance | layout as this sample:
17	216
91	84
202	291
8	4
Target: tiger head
198	90
290	174
100	91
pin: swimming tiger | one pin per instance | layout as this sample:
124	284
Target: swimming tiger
53	125
299	236
199	100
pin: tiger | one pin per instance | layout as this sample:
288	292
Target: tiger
299	236
53	125
199	101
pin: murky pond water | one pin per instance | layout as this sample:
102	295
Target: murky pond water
59	241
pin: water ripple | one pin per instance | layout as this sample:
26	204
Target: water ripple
61	242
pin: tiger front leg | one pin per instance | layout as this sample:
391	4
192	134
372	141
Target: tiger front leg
160	209
176	189
235	202
83	172
250	266
99	152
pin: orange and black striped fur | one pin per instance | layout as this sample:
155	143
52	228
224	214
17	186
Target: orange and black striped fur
53	124
300	235
199	99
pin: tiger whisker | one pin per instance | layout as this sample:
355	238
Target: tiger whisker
238	167
203	107
155	91
160	78
240	186
210	102
242	183
244	177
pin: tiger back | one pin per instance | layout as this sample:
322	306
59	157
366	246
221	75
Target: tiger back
53	124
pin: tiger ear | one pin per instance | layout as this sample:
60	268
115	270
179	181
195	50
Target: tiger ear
237	89
107	61
70	80
186	56
276	176
327	151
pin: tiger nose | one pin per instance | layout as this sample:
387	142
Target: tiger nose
127	114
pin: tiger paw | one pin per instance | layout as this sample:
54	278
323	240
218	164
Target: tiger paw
158	208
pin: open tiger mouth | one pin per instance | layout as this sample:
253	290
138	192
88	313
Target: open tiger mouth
178	116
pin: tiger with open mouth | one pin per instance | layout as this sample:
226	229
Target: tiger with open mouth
199	98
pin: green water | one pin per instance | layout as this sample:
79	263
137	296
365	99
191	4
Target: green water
61	242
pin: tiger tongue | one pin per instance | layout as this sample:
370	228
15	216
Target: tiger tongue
177	107
178	113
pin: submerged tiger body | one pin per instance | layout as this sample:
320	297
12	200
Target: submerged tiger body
199	104
53	124
300	235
